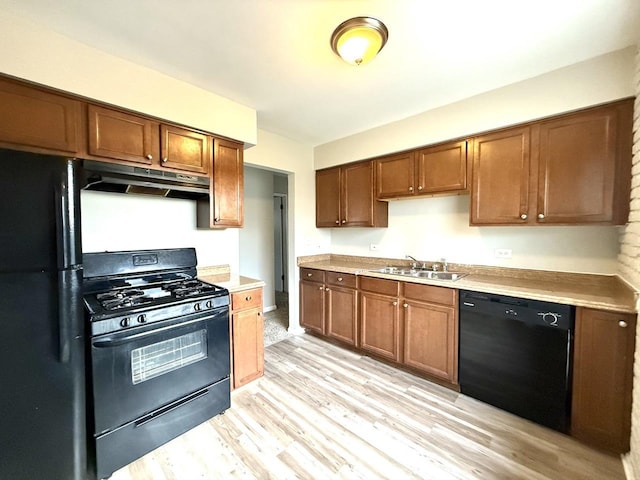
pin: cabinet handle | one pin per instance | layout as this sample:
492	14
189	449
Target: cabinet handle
344	221
406	305
419	187
217	219
395	303
309	274
321	288
411	189
165	160
259	314
523	216
337	222
149	157
339	279
326	289
541	216
623	324
248	299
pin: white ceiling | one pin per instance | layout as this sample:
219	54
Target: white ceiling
275	56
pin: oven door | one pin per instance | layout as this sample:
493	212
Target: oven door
141	369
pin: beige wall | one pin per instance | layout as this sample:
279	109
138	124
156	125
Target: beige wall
431	228
283	155
629	259
34	53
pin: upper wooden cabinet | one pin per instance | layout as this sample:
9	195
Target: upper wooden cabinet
500	178
184	149
602	378
427	171
345	197
571	169
40	121
227	185
123	136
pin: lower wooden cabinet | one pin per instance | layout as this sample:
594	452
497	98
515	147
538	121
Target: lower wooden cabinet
329	305
247	335
380	318
602	378
406	323
431	330
312	306
341	302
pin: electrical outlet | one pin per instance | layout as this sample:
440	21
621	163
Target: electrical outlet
373	247
502	253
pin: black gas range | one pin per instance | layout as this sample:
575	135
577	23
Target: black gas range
116	304
159	350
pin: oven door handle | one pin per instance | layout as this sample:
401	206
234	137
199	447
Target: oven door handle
116	340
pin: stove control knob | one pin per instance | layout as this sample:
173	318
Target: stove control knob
209	304
125	322
142	318
197	307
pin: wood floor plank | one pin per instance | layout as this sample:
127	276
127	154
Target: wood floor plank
323	412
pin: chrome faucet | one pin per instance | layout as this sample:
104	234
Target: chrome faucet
445	266
415	262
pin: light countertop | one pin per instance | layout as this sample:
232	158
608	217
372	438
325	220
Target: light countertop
605	292
221	276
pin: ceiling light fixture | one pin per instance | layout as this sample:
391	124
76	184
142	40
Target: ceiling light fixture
359	39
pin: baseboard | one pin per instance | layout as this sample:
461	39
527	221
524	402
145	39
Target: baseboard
296	330
628	467
269	309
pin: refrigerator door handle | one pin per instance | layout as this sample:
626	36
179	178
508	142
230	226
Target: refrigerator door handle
67	200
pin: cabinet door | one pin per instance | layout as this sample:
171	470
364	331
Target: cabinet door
500	178
31	119
395	176
430	339
602	378
312	306
442	168
358	200
227	185
577	167
342	314
248	346
380	326
185	150
122	136
328	198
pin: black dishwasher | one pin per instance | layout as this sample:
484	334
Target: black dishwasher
515	354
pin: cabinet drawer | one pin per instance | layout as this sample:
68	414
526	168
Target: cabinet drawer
312	275
340	279
429	293
246	299
379	285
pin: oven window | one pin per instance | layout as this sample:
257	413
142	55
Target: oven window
166	356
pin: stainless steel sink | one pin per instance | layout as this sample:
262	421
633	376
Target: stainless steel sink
418	273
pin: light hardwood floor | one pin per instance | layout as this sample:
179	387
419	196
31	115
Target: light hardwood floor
322	412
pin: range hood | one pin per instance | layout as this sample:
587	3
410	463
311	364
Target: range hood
113	177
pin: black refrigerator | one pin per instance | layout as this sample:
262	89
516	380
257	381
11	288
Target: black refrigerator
42	377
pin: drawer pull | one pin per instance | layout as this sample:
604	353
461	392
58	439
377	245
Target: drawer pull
248	299
326	289
623	324
321	288
339	279
406	305
395	303
309	274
